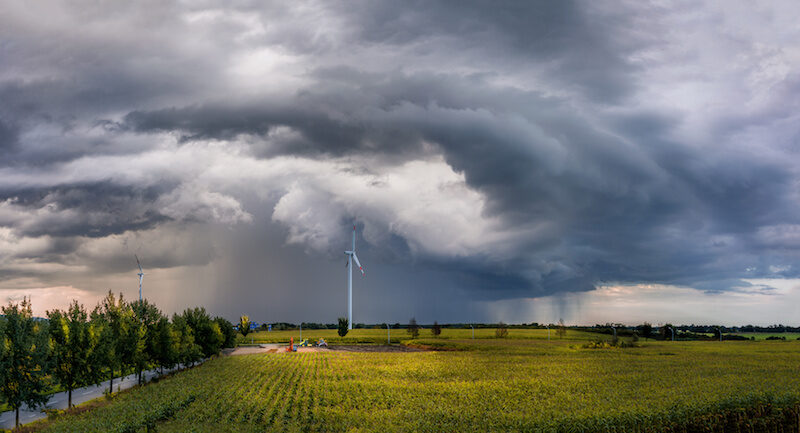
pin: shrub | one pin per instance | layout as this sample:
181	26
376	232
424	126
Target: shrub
501	331
343	325
413	328
436	329
646	329
561	331
615	343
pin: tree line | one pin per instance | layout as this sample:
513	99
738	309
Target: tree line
74	348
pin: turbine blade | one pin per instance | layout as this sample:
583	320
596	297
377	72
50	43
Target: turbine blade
137	262
358	263
354	237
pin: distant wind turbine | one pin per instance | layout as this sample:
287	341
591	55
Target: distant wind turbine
351	255
141	276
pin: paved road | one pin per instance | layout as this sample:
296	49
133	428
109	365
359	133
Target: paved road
59	400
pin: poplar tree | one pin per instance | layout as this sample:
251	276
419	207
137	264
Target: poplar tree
24	358
121	335
147	316
244	325
189	351
73	342
166	344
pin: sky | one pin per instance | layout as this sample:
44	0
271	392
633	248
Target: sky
525	162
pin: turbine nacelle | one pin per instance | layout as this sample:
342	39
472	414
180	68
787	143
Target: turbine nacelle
355	257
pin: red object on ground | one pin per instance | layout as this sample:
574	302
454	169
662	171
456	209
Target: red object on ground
291	345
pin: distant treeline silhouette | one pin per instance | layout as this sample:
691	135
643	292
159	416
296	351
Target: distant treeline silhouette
603	328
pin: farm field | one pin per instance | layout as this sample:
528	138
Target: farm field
490	385
379	336
765	335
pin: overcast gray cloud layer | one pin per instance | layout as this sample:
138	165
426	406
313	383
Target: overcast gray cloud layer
484	152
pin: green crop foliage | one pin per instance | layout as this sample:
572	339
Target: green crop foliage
490	385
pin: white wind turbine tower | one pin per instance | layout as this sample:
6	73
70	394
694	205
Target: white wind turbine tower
141	276
351	255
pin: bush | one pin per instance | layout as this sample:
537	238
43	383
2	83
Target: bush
413	328
615	343
501	331
735	337
646	329
436	329
343	325
561	331
775	337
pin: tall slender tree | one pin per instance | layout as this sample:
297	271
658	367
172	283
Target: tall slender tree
147	316
166	345
23	375
189	352
244	325
121	337
343	327
72	342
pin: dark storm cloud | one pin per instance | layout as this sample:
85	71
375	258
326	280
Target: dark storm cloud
585	51
530	155
220	123
631	205
8	138
92	210
552	111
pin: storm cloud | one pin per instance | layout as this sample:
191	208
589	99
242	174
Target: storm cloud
484	153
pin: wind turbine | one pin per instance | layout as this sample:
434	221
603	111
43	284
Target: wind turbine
351	255
141	276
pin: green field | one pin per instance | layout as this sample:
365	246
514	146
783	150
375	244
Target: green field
490	385
764	335
379	336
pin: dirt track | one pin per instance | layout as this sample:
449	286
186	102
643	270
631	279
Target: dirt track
281	348
264	348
